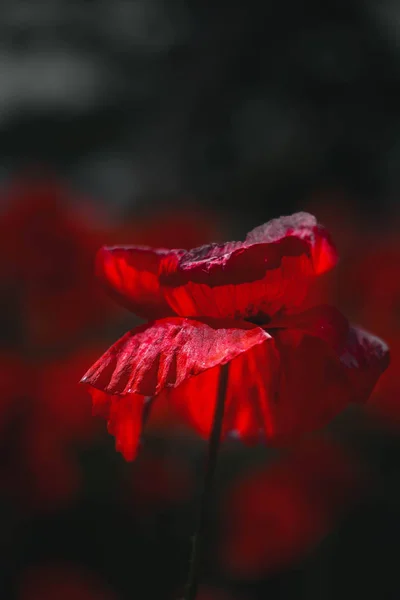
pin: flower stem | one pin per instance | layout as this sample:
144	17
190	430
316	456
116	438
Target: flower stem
213	447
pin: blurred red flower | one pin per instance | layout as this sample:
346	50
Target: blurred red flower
41	426
62	581
278	513
290	372
48	247
61	421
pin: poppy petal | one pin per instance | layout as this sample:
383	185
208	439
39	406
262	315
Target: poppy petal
304	226
278	391
165	353
125	417
323	321
292	385
269	272
130	275
317	382
247	415
125	424
312	386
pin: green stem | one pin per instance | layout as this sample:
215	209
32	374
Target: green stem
213	447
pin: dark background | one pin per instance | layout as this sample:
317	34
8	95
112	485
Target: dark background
256	103
251	110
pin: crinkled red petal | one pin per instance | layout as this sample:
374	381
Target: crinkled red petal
282	287
167	352
130	275
269	272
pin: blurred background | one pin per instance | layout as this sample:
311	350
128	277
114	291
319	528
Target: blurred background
175	124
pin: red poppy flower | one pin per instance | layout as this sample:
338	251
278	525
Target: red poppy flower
236	303
277	513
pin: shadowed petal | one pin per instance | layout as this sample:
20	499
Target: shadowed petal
366	357
125	424
279	387
318	379
247	414
323	321
124	415
280	390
